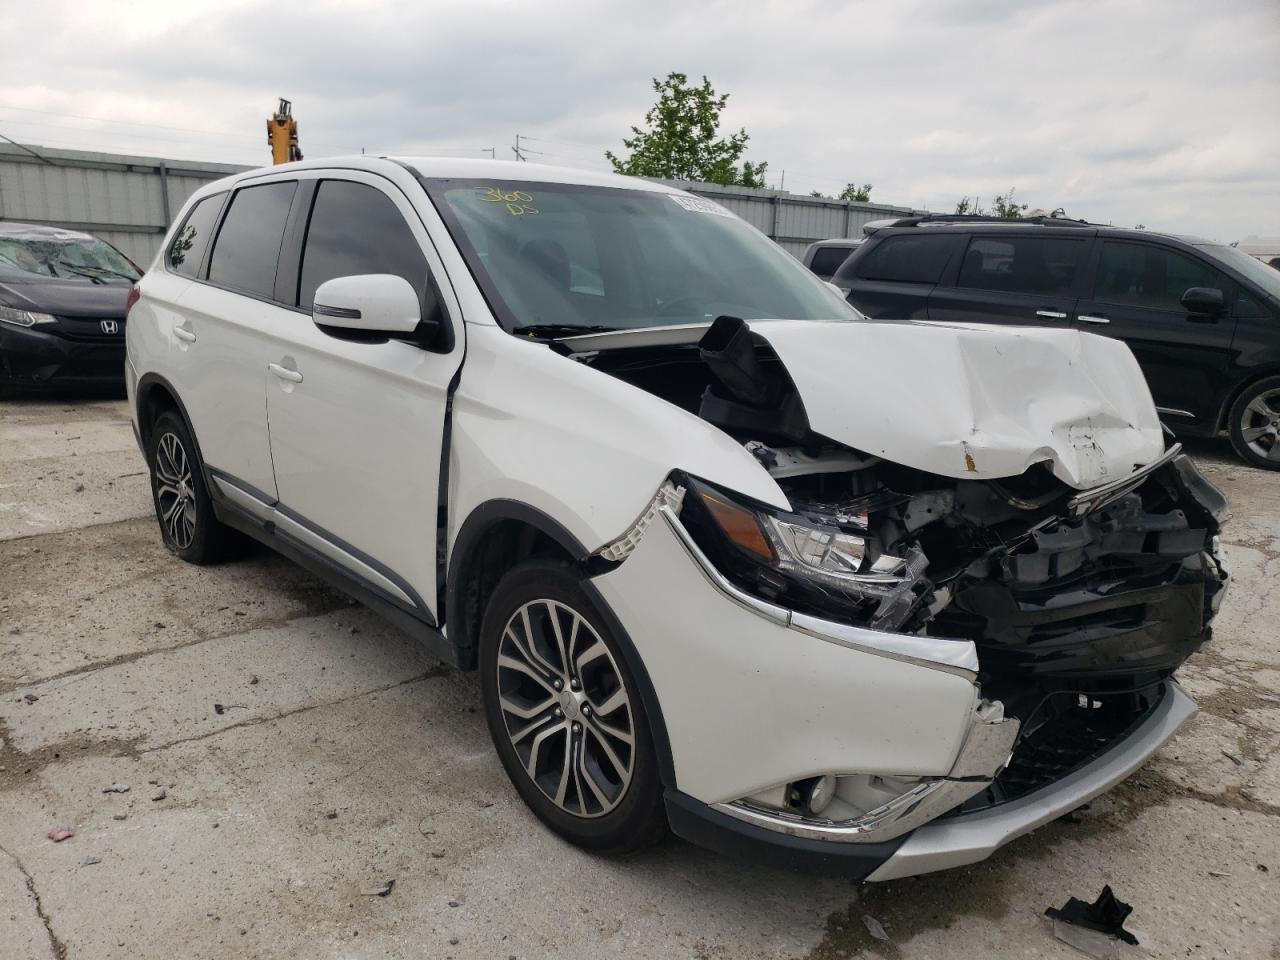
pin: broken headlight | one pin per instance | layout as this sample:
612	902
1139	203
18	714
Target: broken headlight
832	569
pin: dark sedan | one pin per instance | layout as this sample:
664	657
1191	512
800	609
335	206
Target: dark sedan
62	308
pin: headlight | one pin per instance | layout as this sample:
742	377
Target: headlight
830	569
23	318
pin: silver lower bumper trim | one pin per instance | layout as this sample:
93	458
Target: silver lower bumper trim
967	839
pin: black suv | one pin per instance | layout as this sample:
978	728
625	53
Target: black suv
1202	318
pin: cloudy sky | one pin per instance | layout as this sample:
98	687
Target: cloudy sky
1161	112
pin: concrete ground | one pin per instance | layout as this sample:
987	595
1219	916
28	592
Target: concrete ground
285	750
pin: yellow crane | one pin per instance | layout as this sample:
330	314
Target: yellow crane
282	134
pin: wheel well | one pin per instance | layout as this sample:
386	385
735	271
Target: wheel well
153	400
486	557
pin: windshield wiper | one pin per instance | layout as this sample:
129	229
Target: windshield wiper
554	331
84	270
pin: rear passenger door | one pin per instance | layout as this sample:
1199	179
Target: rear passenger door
893	279
357	428
224	330
1017	279
1136	297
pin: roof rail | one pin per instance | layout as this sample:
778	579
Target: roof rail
980	218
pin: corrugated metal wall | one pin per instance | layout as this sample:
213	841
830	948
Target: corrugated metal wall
129	201
791	220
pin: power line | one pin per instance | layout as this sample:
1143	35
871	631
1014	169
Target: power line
23	146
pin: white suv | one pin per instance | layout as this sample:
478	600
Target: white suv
873	597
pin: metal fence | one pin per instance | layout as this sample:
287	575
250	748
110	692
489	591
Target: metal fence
129	201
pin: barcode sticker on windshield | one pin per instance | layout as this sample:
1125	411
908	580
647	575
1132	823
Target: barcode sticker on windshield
698	205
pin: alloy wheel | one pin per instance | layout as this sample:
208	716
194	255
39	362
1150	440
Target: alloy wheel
175	491
566	708
1260	425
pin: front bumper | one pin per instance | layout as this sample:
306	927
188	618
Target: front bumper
944	843
34	358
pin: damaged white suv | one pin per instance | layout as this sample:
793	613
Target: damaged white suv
867	596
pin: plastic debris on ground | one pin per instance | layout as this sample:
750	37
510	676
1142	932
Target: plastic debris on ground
60	834
1097	928
382	890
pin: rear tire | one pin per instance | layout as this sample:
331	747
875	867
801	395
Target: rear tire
183	508
565	713
1254	424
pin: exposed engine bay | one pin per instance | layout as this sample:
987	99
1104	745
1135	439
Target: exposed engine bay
1079	602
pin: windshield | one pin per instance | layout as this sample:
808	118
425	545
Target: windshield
69	256
557	259
1253	269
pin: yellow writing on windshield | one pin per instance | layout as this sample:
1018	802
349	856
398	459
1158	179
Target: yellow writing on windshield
518	202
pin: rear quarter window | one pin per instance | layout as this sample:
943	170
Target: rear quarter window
908	259
186	252
827	260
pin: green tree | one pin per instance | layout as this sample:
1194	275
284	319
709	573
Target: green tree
682	138
852	191
969	207
1007	207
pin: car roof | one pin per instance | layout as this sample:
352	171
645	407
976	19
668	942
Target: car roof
36	231
1079	228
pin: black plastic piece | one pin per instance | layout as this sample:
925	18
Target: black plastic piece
1105	915
729	350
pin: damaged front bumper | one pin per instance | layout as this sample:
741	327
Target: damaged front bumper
926	769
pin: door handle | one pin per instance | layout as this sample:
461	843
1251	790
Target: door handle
1086	318
184	333
1051	314
284	373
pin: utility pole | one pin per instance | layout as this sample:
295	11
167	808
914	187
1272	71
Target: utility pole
782	184
520	150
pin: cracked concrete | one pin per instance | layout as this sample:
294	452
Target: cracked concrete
344	756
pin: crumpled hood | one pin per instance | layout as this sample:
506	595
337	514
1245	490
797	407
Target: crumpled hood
972	401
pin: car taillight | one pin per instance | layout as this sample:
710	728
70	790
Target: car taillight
134	294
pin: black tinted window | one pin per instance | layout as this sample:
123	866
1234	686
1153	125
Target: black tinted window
190	242
356	229
1135	274
911	259
1044	265
248	245
827	260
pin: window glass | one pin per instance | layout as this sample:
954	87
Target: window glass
570	255
356	229
190	242
248	245
827	260
1041	265
909	259
1244	304
1139	275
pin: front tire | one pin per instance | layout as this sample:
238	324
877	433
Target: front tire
183	508
1254	424
565	713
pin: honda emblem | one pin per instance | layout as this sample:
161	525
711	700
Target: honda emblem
110	326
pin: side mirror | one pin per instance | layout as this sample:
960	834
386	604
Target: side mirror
1204	301
368	307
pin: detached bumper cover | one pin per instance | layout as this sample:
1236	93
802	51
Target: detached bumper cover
956	841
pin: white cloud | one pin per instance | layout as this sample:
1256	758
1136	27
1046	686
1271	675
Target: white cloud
1121	111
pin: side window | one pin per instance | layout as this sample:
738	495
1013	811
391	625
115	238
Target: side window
356	229
248	245
827	260
186	253
1245	304
1140	275
1043	265
914	259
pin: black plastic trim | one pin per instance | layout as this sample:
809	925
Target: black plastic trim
336	576
418	609
698	823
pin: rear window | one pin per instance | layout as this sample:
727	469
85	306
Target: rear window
827	260
910	259
1043	265
186	253
248	245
